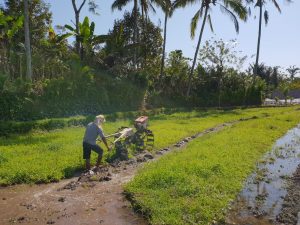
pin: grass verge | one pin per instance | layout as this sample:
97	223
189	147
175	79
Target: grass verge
195	185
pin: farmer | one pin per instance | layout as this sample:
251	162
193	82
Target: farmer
93	130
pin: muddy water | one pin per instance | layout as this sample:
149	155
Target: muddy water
261	199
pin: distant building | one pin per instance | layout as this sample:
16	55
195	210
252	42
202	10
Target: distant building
292	94
277	98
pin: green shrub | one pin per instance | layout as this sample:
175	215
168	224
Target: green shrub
81	93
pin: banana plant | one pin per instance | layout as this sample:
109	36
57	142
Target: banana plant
86	37
9	26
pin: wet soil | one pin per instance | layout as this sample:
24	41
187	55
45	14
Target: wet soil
92	198
268	196
69	202
290	213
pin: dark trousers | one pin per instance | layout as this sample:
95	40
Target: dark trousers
87	150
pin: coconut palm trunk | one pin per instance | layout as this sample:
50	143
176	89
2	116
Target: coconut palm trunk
27	41
135	31
197	50
259	37
77	44
164	47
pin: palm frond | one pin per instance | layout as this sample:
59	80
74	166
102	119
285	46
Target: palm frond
249	11
119	4
276	5
266	17
231	16
171	9
237	8
93	7
194	22
210	23
152	8
183	3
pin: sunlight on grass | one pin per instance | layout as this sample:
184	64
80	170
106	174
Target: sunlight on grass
195	185
50	156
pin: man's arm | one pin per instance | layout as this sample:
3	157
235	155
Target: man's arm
105	142
101	134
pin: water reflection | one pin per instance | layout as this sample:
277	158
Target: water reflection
261	199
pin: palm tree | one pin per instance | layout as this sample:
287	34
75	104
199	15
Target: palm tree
232	8
27	41
168	9
260	4
293	70
145	5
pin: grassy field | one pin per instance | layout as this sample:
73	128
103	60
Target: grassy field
50	156
195	185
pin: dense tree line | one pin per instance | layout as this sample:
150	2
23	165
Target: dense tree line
43	75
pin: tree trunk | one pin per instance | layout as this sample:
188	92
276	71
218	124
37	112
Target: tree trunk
77	14
27	41
164	48
20	66
77	44
196	52
135	30
259	37
81	52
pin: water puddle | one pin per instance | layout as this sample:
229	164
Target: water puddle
261	199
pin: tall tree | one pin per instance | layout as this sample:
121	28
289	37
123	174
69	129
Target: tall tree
145	5
261	4
39	22
168	9
232	8
27	41
120	48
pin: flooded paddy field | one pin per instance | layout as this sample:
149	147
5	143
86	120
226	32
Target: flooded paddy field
271	194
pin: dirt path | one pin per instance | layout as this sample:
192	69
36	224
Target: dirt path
86	200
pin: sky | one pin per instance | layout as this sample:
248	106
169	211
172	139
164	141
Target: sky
280	42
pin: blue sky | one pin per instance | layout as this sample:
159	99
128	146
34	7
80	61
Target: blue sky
280	44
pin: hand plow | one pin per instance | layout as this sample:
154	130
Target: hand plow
139	138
